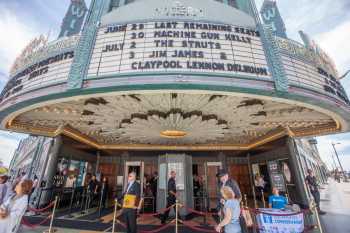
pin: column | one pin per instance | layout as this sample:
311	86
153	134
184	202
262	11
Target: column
297	170
182	164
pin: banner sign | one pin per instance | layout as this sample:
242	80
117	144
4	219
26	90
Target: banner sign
280	221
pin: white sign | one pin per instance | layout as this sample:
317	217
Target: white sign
45	72
44	66
283	223
178	47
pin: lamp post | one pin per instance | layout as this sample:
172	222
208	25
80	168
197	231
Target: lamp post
334	163
341	167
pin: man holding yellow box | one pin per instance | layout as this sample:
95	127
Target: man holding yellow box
131	198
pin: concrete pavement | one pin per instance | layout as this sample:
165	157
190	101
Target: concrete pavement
335	200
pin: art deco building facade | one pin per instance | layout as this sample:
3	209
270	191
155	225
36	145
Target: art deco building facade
157	85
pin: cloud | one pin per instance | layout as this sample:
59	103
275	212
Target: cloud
15	35
8	146
336	43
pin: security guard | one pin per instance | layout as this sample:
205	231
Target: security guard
172	195
131	197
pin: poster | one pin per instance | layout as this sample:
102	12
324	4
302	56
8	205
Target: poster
277	180
255	169
280	224
273	167
276	177
77	168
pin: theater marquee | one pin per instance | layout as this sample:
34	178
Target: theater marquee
179	47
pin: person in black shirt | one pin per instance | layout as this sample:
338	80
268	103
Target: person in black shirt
196	185
312	184
130	214
154	187
104	191
172	195
92	189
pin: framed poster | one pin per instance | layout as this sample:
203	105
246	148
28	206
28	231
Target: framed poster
273	167
277	181
255	169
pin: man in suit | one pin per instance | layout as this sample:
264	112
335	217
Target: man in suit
154	187
130	214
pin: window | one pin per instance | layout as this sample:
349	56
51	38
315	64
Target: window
232	3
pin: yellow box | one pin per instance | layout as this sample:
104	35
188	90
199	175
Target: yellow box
129	201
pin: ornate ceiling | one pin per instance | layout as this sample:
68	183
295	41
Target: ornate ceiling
173	119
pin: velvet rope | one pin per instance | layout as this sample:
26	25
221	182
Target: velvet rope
28	224
198	212
157	213
165	226
43	209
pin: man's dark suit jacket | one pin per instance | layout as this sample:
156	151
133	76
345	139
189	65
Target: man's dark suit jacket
235	188
135	189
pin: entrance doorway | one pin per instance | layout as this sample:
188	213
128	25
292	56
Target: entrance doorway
211	170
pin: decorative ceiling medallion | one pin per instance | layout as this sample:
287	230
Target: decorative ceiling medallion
196	128
175	119
173	133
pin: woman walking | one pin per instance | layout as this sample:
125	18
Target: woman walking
12	211
230	223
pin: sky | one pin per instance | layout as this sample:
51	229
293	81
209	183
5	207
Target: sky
327	21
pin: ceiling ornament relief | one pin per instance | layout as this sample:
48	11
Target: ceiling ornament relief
198	119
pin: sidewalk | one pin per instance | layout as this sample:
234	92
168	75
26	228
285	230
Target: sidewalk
335	200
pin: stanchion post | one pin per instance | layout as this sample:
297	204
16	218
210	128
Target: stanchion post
245	200
100	203
176	215
38	203
71	200
317	217
50	230
205	209
87	201
115	214
263	198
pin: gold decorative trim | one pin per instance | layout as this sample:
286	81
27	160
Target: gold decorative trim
72	133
